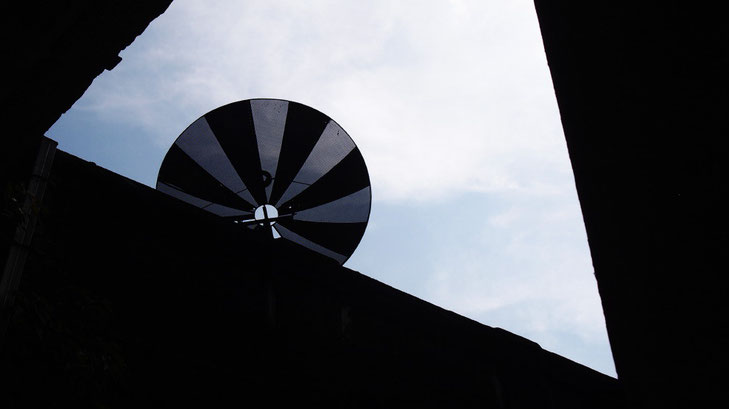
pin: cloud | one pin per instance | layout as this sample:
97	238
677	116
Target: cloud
442	97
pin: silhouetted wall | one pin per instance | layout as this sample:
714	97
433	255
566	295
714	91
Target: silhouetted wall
51	53
643	95
131	297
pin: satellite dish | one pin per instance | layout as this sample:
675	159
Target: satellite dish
275	167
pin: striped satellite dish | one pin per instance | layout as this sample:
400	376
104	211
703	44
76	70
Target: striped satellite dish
277	167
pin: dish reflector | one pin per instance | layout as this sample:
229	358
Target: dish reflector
275	166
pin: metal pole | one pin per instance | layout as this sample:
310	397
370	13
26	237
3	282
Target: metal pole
20	248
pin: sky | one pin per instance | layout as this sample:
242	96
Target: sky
452	106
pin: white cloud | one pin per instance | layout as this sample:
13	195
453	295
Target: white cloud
442	97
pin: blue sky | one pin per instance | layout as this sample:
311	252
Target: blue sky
451	103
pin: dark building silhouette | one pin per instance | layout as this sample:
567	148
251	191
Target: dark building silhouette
117	295
643	95
141	299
